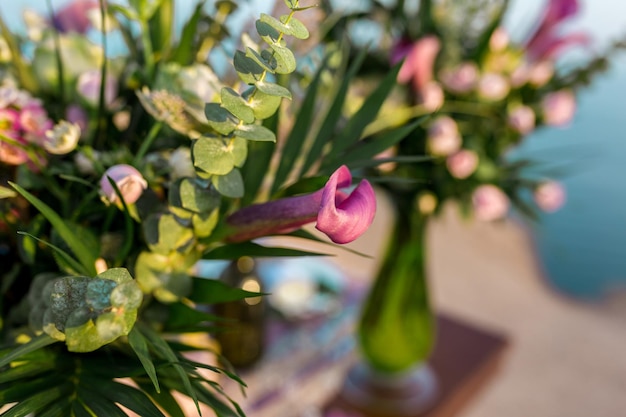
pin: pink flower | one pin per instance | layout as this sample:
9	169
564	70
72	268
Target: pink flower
74	17
558	107
34	121
489	202
522	119
499	39
129	181
343	217
492	86
419	62
461	79
88	87
462	164
443	137
545	42
12	155
550	196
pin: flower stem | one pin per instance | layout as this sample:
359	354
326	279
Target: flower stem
145	146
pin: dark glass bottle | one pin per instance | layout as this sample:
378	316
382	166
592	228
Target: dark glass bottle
242	336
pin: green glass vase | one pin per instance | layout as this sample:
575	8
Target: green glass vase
397	326
396	331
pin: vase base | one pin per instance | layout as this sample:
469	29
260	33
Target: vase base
381	395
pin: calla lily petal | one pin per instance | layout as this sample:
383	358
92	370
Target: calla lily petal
345	221
342	216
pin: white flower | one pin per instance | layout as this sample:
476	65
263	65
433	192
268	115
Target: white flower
62	139
180	163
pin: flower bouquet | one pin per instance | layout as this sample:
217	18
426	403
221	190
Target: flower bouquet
124	165
482	92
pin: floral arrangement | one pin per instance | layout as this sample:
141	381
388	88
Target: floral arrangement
486	92
120	171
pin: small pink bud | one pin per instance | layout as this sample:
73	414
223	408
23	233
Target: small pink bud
461	79
462	164
489	202
522	119
499	39
540	73
129	181
443	137
492	86
550	196
558	107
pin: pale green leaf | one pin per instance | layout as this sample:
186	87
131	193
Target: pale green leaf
219	118
235	104
229	185
273	89
295	27
284	58
255	132
218	156
248	69
261	61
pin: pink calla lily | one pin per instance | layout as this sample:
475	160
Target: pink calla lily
74	16
545	42
342	216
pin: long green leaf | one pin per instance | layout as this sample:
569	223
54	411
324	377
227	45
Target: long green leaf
73	263
97	404
367	151
129	397
140	347
237	250
39	401
365	115
325	133
26	370
85	257
298	135
164	399
212	291
184	53
168	354
36	343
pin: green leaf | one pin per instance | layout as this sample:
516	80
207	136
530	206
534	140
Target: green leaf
235	104
96	404
38	401
190	195
219	118
273	89
229	185
85	257
365	115
285	59
164	399
138	343
367	151
204	223
34	344
218	156
184	54
297	136
255	132
248	69
296	28
267	66
212	291
71	262
182	316
237	250
333	115
267	30
167	353
129	397
264	105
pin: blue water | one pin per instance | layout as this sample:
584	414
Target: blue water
583	246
